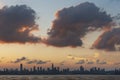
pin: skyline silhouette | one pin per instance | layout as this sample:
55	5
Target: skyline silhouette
53	70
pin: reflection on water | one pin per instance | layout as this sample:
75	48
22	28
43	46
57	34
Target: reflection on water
60	77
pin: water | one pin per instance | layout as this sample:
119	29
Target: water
59	77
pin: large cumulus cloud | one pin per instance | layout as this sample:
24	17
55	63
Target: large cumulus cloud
17	23
73	23
109	40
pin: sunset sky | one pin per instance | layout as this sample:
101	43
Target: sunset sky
68	33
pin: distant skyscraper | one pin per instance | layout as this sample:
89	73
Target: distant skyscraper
34	68
21	67
81	68
52	66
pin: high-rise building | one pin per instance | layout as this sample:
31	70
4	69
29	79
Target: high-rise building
34	68
21	67
52	66
81	68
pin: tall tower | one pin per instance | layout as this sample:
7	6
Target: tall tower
52	66
21	67
34	68
81	68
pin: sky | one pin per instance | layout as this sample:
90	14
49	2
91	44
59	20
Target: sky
68	33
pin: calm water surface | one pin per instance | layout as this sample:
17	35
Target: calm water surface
60	77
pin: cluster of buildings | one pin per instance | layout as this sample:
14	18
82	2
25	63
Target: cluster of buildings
57	71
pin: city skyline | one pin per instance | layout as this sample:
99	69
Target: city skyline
53	70
67	33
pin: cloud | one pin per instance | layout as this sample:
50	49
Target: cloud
100	62
1	4
2	57
96	55
17	24
37	62
114	0
118	63
62	63
19	60
76	57
90	62
81	62
103	63
70	57
109	40
42	62
31	61
73	23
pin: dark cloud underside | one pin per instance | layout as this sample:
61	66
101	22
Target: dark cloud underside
73	23
17	23
108	40
19	60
